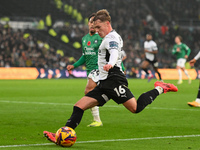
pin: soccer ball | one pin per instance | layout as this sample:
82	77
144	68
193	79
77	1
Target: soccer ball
65	137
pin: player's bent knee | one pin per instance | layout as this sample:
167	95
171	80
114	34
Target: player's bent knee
86	102
131	105
133	110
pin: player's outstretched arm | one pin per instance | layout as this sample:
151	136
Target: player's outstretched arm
70	67
80	62
193	61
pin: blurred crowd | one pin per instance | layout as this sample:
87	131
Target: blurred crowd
170	10
17	50
132	22
137	18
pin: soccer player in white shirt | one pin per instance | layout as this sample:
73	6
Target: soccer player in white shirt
150	49
113	83
195	103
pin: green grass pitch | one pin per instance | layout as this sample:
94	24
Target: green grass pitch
28	107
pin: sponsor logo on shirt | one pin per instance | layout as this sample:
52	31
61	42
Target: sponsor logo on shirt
95	41
89	51
113	44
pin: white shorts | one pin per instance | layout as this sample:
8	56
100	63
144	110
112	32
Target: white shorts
94	75
181	62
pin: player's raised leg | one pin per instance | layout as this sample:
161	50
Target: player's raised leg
148	97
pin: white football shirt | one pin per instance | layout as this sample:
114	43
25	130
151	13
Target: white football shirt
150	46
111	43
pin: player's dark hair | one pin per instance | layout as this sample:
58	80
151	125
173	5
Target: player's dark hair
91	15
149	34
103	15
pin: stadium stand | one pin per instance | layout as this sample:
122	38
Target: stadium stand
131	18
180	11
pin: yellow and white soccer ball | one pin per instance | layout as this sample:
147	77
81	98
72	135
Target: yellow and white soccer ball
65	136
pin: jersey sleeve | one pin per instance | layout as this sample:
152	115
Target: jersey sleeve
188	50
112	45
154	46
80	62
113	57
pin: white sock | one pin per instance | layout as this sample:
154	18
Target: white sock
95	113
197	100
186	73
160	89
180	74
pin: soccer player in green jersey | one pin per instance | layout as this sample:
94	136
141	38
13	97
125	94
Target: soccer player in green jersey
90	47
182	52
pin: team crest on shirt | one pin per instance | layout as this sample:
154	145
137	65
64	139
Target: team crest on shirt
113	44
88	43
95	41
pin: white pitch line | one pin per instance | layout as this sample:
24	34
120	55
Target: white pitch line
111	106
111	140
173	108
26	145
41	103
137	139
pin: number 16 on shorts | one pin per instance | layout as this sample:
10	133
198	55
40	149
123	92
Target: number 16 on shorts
120	91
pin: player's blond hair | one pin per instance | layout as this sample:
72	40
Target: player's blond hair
103	15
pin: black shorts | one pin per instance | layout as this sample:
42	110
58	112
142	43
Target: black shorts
154	63
115	88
